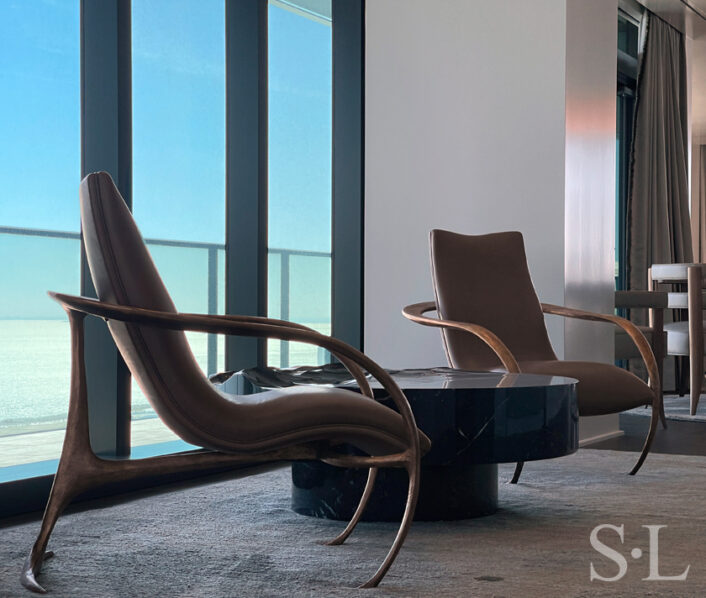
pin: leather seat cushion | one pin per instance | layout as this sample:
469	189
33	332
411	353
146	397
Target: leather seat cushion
287	416
678	337
602	388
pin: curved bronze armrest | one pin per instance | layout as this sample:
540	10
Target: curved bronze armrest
416	313
247	326
633	332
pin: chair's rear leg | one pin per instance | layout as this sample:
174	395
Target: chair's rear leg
518	472
412	496
648	441
369	485
662	415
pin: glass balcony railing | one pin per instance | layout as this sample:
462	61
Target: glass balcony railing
34	333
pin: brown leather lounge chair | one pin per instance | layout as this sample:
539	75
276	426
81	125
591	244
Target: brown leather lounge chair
290	424
491	318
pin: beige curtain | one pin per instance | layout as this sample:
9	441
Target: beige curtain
698	203
659	229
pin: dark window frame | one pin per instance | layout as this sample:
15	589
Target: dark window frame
106	144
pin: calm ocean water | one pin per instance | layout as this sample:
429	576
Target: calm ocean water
35	368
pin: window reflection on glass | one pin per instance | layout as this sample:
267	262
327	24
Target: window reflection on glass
300	132
39	223
178	70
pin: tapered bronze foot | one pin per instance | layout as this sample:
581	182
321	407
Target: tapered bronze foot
31	569
648	441
662	416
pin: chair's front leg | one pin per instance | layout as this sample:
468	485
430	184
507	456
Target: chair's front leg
68	483
77	461
696	335
414	471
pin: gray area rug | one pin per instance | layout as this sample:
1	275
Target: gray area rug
238	538
675	407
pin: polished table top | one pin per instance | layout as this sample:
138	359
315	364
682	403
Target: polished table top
259	378
449	378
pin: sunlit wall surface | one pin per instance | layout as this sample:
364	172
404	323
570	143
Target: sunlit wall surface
39	221
178	87
300	134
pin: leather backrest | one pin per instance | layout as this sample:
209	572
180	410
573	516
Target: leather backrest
123	272
485	280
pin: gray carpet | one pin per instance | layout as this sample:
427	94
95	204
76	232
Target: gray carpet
238	538
677	408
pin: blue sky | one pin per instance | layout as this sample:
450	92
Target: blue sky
178	120
178	130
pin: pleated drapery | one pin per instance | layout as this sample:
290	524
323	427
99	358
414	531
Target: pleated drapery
659	229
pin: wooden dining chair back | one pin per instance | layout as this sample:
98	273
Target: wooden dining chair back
685	336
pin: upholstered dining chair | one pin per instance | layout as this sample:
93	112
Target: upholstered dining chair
685	337
655	302
301	423
490	319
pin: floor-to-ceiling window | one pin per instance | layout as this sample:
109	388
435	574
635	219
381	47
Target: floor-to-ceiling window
141	89
299	167
178	166
628	39
39	223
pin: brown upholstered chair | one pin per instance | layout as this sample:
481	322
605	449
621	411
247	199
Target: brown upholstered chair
491	319
288	424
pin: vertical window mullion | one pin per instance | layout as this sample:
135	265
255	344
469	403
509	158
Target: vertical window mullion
348	149
106	144
246	173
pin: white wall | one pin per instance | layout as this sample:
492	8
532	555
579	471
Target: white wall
486	116
696	60
464	131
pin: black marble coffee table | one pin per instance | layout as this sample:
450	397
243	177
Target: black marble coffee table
475	420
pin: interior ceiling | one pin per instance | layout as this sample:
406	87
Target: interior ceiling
689	16
698	5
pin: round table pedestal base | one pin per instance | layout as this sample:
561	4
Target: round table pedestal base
456	491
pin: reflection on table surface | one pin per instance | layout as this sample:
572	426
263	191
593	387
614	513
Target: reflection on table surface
420	378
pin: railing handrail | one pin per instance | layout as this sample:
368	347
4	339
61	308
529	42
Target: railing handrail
212	284
57	234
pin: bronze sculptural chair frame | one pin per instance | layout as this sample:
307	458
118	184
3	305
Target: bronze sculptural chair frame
490	319
284	425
